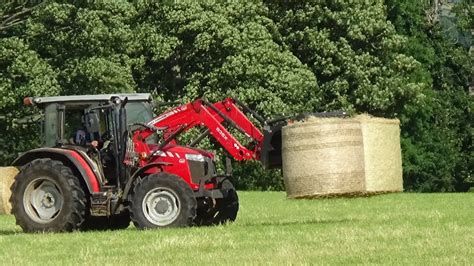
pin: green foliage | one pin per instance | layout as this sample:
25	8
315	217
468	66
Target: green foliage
464	15
96	75
222	49
245	174
353	51
89	45
280	57
13	14
436	130
23	74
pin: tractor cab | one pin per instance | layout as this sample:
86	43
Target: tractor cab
93	127
65	115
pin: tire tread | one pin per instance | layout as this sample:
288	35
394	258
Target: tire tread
183	189
74	220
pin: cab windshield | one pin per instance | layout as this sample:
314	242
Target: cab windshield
141	112
138	112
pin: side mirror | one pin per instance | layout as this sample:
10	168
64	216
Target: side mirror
92	121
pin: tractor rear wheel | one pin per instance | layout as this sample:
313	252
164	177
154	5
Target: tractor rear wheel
161	200
47	197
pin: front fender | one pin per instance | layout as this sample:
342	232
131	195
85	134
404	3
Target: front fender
139	172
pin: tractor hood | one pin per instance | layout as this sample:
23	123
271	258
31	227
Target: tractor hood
178	151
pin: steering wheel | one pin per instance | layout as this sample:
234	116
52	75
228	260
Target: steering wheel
92	149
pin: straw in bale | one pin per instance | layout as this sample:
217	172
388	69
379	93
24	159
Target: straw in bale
382	154
7	174
323	157
341	156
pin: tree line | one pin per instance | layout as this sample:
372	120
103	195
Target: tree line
385	58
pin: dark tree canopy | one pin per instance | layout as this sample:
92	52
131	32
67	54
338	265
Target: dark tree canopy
380	57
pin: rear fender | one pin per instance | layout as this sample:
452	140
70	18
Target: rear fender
70	158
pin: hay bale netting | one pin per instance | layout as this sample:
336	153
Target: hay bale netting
323	157
341	156
7	174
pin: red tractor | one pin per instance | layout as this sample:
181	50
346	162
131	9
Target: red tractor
106	160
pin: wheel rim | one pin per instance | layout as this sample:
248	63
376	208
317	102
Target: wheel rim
43	200
161	206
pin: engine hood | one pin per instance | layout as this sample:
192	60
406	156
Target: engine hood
182	150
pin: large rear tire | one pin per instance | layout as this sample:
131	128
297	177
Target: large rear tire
161	200
47	197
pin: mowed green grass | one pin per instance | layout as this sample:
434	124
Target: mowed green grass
399	228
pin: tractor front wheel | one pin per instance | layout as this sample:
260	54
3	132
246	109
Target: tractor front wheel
47	197
161	200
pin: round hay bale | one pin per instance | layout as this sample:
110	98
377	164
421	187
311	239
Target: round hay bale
323	157
7	174
382	154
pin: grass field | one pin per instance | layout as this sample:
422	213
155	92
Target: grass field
387	229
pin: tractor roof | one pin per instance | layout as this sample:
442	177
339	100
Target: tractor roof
78	99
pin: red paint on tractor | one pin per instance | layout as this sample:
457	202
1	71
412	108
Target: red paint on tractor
198	113
90	174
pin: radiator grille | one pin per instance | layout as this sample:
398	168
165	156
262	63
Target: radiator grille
198	170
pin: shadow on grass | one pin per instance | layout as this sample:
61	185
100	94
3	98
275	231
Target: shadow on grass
302	222
10	232
19	232
248	224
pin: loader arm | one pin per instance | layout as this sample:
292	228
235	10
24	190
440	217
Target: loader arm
216	118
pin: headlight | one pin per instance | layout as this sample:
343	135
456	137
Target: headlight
195	157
